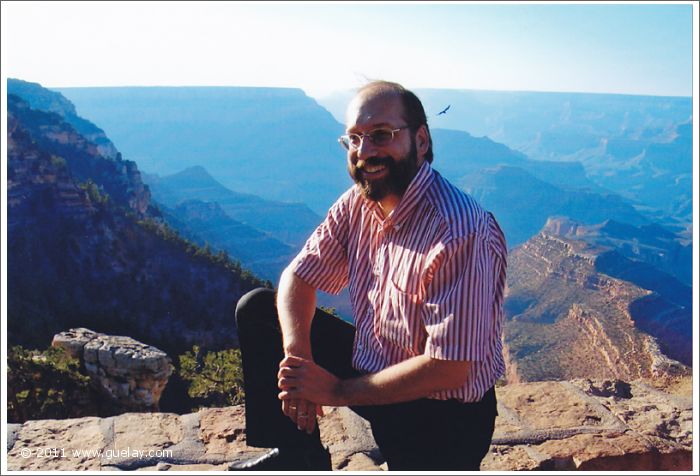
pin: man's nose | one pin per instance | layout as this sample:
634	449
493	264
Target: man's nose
366	148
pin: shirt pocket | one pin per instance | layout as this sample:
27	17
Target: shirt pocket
402	324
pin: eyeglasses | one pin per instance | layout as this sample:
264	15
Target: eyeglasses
379	137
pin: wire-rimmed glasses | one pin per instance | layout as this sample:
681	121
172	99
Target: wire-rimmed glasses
379	137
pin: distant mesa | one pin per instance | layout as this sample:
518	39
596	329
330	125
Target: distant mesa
637	146
500	187
253	140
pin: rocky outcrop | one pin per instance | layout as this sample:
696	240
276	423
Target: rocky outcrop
129	373
590	425
565	319
605	425
34	173
120	179
653	258
46	100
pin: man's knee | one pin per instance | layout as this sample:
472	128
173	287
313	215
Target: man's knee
256	303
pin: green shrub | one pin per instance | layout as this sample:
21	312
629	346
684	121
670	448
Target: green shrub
96	195
46	384
215	378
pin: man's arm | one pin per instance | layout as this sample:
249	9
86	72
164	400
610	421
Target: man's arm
411	379
296	304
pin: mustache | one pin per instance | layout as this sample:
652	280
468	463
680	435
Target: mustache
374	162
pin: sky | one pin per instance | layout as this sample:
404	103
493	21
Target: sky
604	47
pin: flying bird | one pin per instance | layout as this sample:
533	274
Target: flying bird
444	110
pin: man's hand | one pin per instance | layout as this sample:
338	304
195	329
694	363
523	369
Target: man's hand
300	378
303	413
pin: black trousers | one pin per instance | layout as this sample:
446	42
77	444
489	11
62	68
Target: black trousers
424	434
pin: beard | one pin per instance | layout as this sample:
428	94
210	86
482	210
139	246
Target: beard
399	176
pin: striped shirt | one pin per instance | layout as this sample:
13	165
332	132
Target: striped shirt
427	279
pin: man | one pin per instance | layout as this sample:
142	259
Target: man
425	265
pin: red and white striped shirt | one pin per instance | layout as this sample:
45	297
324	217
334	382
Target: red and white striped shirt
427	279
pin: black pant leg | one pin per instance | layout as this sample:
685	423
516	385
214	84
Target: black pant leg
260	340
422	434
434	435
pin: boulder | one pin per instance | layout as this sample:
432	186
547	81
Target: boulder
132	375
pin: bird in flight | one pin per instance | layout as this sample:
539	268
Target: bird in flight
444	110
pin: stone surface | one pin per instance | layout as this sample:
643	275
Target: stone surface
129	372
12	434
61	445
147	430
592	425
349	439
222	431
73	341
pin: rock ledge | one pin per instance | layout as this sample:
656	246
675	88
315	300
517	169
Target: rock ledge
568	425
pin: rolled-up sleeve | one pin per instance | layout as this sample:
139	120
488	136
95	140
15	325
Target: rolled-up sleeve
458	311
323	262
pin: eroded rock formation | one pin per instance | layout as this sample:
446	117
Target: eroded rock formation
131	374
567	320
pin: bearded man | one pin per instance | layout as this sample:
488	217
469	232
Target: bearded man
425	266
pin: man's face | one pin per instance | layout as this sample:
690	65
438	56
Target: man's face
381	170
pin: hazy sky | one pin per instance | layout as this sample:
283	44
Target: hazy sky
626	48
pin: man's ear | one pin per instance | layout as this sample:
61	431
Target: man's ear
422	141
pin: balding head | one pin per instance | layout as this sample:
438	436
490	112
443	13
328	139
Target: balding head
413	112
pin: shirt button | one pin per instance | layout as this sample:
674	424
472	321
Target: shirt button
360	346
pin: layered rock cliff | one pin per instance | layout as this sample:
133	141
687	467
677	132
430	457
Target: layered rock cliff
84	250
652	244
43	99
566	319
118	178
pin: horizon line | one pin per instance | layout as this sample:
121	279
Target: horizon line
307	91
341	90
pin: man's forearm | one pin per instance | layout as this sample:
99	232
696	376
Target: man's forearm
296	304
411	379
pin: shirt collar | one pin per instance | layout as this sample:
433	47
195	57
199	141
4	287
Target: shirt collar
413	195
